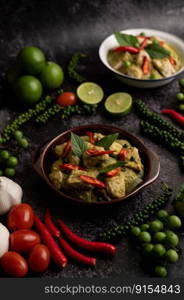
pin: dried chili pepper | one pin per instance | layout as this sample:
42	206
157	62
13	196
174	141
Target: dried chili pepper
85	244
93	181
174	115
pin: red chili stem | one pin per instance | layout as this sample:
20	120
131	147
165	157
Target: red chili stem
75	255
57	255
174	115
71	167
94	152
129	49
93	181
67	149
85	244
91	137
50	225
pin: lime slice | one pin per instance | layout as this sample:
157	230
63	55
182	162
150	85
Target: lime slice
90	93
119	104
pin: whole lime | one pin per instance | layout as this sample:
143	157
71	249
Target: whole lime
32	60
28	89
52	75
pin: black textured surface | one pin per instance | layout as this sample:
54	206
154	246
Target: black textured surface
60	28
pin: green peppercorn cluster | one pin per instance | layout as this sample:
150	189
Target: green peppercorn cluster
50	112
79	110
180	95
162	136
155	119
140	217
73	65
23	118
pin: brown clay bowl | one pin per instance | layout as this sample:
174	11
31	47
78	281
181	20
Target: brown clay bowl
43	159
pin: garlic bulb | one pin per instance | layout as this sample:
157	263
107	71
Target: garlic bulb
10	194
4	240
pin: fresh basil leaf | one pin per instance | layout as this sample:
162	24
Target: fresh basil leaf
107	141
126	39
156	51
112	167
78	145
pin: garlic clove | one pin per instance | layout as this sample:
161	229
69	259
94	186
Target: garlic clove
10	194
4	240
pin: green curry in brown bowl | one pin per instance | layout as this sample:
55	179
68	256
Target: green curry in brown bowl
97	164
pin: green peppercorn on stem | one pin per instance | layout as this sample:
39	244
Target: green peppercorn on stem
50	112
8	131
155	119
139	218
73	65
163	137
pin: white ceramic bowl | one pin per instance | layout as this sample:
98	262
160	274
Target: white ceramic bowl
111	42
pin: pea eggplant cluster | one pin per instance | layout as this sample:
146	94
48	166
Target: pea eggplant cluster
158	242
8	162
117	232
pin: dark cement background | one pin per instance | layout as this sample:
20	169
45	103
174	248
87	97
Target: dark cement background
60	28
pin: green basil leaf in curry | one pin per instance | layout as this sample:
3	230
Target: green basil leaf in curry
157	51
107	141
78	145
126	39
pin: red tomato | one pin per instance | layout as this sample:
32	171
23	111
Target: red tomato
14	264
23	240
39	258
20	217
66	99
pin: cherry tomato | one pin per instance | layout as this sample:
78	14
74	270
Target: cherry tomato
66	99
14	264
39	258
23	240
20	217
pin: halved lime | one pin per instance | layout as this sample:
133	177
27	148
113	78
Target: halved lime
119	103
90	93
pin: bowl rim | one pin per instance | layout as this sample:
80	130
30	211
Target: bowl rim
106	64
146	150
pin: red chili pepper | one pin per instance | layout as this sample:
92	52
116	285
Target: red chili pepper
94	152
50	225
75	255
145	66
123	153
71	167
93	181
67	149
172	60
91	137
57	255
174	115
85	244
129	49
114	172
162	43
144	43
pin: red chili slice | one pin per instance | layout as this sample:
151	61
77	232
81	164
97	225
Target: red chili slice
145	66
94	152
123	153
114	172
172	60
93	181
67	149
91	137
129	49
71	167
